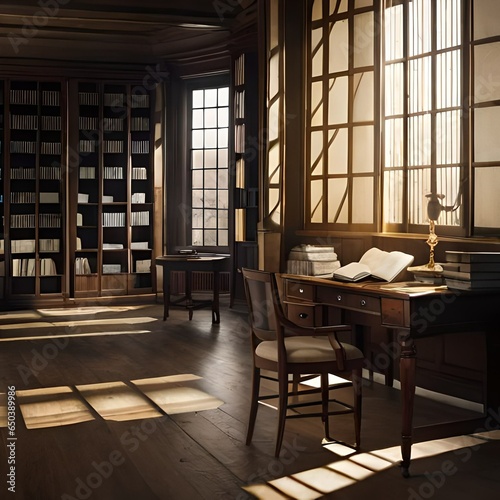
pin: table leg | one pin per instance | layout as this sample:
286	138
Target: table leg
189	297
407	374
215	300
166	292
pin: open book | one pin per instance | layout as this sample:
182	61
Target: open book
375	263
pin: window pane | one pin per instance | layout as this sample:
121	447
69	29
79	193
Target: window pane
486	72
210	98
222	139
316	201
363	97
486	143
393	197
223	97
338	151
210	118
316	153
210	219
210	138
198	98
339	37
362	200
223	238
197	118
363	154
210	200
197	179
222	163
197	198
316	52
210	238
316	104
222	201
364	35
197	221
487	201
210	179
419	185
223	118
197	136
197	237
338	100
222	179
338	201
197	158
210	158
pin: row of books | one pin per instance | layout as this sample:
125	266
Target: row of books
28	173
110	99
28	246
27	267
28	220
472	270
30	122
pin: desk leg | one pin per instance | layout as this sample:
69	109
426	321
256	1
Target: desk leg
166	292
215	300
407	373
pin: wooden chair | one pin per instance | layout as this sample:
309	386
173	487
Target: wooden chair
292	351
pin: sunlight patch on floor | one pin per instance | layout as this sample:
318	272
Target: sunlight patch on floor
71	335
315	483
52	407
117	401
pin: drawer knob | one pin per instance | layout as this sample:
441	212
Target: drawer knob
303	315
339	298
362	302
301	290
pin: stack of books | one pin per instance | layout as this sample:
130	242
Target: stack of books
313	260
472	270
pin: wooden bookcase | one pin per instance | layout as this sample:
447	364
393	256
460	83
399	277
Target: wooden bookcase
112	208
2	191
33	189
246	180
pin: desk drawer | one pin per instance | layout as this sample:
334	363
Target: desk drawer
299	291
304	314
357	302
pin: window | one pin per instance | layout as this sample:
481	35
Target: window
341	108
209	108
423	132
401	107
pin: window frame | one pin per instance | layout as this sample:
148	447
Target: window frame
204	83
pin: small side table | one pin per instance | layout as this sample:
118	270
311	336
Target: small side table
189	263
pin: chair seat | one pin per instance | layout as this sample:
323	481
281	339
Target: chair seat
305	350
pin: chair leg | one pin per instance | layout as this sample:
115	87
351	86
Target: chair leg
357	382
283	403
325	394
254	404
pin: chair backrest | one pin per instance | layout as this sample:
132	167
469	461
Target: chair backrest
259	294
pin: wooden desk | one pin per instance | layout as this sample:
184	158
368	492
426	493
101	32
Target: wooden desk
189	263
413	313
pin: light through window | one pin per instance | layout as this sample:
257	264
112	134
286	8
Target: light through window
209	166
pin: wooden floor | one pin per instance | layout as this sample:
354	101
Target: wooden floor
149	451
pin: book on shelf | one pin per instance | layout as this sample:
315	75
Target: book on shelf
139	245
472	257
49	197
377	264
143	266
472	284
112	246
111	268
82	266
83	198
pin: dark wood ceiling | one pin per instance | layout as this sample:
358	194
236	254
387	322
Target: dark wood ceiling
119	31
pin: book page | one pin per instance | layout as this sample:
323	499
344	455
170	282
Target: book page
352	272
391	265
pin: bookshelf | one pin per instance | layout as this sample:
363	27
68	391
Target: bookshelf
114	209
2	192
245	102
33	189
